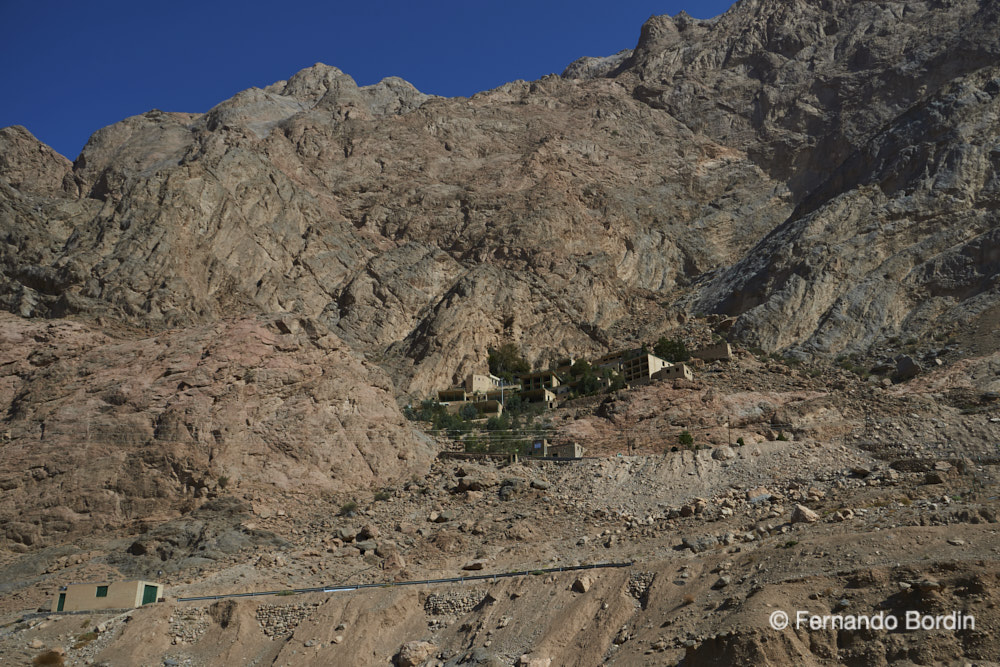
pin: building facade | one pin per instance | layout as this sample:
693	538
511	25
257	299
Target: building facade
117	595
641	368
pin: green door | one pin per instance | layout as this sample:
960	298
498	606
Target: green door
62	602
149	594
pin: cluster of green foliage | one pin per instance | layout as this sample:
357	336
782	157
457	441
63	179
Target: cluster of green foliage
507	362
685	438
674	351
586	378
503	434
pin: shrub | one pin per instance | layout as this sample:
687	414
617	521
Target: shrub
383	495
685	438
223	481
782	437
507	361
688	599
348	508
740	441
48	658
674	351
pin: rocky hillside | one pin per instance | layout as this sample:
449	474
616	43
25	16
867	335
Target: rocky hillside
825	171
208	322
108	432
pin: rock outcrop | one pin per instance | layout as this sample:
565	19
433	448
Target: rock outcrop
103	430
822	173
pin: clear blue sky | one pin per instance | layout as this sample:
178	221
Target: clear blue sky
68	68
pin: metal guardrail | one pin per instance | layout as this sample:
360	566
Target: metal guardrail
340	588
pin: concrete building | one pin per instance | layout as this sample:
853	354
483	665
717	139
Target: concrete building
540	387
569	450
723	351
542	449
481	384
675	371
546	396
485	407
454	394
540	380
117	595
611	361
640	368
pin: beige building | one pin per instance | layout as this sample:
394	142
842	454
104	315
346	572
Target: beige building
481	384
542	449
454	394
723	351
570	450
117	595
484	407
674	371
641	368
611	361
540	380
540	387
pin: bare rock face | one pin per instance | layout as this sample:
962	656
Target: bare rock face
30	166
102	430
825	174
822	171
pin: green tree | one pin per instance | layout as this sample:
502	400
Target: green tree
674	351
685	438
507	361
497	424
468	411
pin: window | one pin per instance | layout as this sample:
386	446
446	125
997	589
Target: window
102	591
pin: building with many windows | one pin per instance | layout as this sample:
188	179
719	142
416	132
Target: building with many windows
640	368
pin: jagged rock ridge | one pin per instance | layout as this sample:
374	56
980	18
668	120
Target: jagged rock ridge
571	213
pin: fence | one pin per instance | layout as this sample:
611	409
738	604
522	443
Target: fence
422	582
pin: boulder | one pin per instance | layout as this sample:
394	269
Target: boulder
802	514
414	653
583	583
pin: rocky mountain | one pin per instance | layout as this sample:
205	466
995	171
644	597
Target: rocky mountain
212	319
821	170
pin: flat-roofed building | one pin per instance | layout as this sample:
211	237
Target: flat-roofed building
546	396
454	394
640	368
719	351
107	595
569	450
675	371
540	387
612	361
484	407
539	380
476	383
